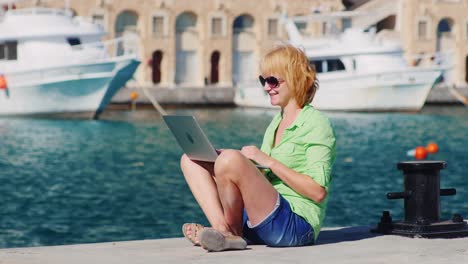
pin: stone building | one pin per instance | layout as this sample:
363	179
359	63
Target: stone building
438	26
194	43
197	42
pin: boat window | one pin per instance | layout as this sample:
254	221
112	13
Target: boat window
335	65
317	65
74	41
8	50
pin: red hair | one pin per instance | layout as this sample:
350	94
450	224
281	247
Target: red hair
294	67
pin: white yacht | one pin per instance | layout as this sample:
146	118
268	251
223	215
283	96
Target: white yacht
55	64
357	71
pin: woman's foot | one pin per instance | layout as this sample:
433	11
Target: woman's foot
214	240
191	232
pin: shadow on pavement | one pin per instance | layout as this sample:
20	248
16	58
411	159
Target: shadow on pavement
345	234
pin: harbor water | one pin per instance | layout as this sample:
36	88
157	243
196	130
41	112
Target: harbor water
118	178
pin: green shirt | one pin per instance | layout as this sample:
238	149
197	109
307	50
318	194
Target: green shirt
308	147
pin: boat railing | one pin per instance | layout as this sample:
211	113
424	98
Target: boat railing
439	59
41	11
92	63
86	22
76	68
124	46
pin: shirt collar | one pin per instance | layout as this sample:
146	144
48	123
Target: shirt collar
301	118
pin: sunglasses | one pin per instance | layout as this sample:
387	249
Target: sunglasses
272	81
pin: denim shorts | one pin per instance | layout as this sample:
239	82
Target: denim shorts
281	228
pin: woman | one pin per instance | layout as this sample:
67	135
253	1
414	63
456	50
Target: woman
285	204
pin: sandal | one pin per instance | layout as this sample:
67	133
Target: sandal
194	232
214	240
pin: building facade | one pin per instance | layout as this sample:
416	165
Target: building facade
195	43
438	26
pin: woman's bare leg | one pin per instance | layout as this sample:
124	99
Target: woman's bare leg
241	185
199	177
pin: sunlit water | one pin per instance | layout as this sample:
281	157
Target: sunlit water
83	181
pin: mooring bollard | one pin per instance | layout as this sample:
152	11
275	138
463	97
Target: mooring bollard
422	204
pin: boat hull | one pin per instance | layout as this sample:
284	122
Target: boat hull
403	91
71	90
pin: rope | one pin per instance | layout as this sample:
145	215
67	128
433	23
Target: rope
458	95
155	103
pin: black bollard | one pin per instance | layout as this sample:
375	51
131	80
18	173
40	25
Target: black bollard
422	204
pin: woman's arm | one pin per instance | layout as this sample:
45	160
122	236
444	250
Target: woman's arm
301	183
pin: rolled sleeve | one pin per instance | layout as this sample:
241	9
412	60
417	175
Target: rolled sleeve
319	160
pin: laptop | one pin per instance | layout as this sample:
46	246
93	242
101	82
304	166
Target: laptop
192	139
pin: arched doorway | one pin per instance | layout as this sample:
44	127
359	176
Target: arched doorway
156	66
348	4
187	45
445	46
214	72
445	40
466	68
126	20
126	23
386	23
243	55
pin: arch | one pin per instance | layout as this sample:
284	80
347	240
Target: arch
445	25
156	66
126	20
214	72
243	23
7	7
444	34
187	49
445	44
243	54
466	68
348	4
186	20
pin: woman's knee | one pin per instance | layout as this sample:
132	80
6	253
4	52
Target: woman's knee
229	161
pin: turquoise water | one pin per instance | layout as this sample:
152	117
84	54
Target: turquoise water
83	181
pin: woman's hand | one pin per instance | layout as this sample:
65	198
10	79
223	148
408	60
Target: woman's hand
299	182
258	156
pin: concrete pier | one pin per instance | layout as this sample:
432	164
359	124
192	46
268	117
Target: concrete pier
209	95
338	245
441	95
214	95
